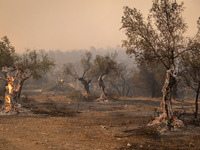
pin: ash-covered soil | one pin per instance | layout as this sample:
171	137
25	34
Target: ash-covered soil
56	122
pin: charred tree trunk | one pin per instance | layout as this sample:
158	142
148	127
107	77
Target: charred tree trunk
14	82
167	116
20	77
196	102
102	88
9	100
170	82
18	94
86	86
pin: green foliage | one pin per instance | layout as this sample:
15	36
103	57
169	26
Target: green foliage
7	53
38	63
104	65
160	38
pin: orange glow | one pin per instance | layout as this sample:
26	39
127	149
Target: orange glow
173	119
10	88
8	95
172	100
85	94
9	106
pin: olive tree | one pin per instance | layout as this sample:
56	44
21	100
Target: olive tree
103	66
159	38
30	64
34	64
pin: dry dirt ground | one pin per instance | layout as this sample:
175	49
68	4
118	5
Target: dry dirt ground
51	121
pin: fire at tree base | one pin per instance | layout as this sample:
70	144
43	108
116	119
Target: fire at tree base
15	109
163	124
167	121
14	79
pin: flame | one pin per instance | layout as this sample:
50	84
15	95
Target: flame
8	101
9	87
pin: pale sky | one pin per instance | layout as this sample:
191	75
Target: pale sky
73	24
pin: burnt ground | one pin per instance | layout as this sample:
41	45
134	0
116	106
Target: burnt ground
56	122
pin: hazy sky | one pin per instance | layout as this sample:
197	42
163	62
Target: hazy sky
73	24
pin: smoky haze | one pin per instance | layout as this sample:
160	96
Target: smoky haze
68	25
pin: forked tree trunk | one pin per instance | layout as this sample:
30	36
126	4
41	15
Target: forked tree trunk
20	77
102	88
14	82
86	86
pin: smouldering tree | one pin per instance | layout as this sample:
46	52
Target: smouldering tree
28	64
32	64
158	38
86	67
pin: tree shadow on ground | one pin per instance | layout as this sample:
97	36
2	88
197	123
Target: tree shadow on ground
49	109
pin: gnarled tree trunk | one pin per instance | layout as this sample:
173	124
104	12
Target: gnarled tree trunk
167	116
170	82
86	86
102	88
14	82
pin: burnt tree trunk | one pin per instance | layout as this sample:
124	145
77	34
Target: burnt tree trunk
20	77
86	86
167	116
170	82
9	100
102	88
18	92
14	83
